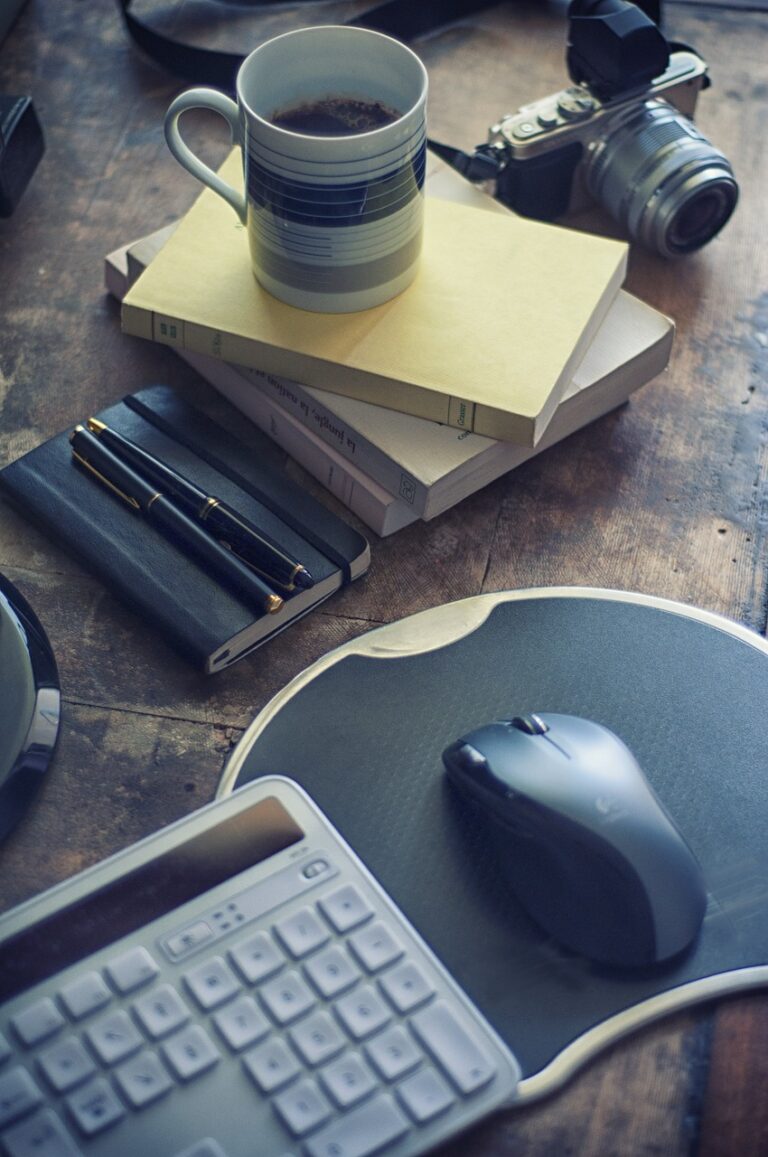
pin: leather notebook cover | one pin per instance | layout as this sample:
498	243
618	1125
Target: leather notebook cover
207	623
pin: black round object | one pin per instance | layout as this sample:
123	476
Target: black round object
29	705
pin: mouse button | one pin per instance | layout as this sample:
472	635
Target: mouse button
530	724
464	757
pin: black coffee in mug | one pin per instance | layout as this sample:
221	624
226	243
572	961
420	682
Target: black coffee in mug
335	116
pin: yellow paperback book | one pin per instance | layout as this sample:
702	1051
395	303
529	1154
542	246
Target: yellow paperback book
486	339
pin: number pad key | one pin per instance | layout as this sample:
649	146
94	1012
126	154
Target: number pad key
317	1038
425	1095
66	1064
393	1053
375	946
361	1131
242	1023
302	932
191	1052
453	1047
114	1037
348	1079
302	1107
271	1064
85	995
211	983
161	1011
18	1094
287	997
257	957
406	986
143	1079
40	1136
37	1021
95	1107
345	908
332	971
362	1012
132	970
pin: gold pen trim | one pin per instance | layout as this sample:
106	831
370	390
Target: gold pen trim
115	489
206	508
95	426
273	604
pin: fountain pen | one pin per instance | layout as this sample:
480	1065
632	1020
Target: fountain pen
252	545
172	522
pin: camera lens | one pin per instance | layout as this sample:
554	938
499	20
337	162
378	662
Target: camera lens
661	178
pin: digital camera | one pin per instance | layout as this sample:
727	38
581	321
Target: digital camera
621	135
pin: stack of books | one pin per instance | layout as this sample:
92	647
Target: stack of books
514	335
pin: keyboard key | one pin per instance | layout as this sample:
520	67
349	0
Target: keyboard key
317	1038
241	1023
114	1037
348	1079
271	1064
211	983
345	908
85	995
143	1079
205	1148
161	1011
360	1132
43	1135
393	1052
132	970
190	939
375	946
18	1094
95	1107
406	986
190	1052
302	932
302	1107
362	1012
332	971
66	1064
287	997
425	1095
455	1049
257	957
37	1021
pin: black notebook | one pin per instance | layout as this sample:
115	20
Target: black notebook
203	619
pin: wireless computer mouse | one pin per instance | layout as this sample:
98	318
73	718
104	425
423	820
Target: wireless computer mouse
590	851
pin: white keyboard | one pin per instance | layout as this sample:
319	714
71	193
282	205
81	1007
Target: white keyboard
236	986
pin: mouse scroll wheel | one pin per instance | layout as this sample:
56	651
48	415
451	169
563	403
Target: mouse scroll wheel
530	724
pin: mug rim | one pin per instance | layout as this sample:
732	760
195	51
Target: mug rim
347	29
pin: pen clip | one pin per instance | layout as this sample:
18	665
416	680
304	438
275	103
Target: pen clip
89	466
289	586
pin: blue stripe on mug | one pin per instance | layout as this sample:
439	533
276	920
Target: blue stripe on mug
337	205
286	165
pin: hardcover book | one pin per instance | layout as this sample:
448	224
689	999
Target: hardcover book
205	621
487	338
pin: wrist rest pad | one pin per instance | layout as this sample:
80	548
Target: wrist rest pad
363	731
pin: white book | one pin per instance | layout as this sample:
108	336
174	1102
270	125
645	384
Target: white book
422	466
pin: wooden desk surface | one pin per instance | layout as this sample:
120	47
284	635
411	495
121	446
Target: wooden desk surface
666	496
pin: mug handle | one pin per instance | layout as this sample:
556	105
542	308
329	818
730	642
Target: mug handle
217	102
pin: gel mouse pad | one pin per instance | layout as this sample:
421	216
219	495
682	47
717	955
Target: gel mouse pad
364	728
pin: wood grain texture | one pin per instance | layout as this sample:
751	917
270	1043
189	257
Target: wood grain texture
666	496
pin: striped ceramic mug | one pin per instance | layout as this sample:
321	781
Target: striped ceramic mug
332	124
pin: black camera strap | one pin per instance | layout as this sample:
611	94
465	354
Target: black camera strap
403	19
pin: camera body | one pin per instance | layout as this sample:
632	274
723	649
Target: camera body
632	148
